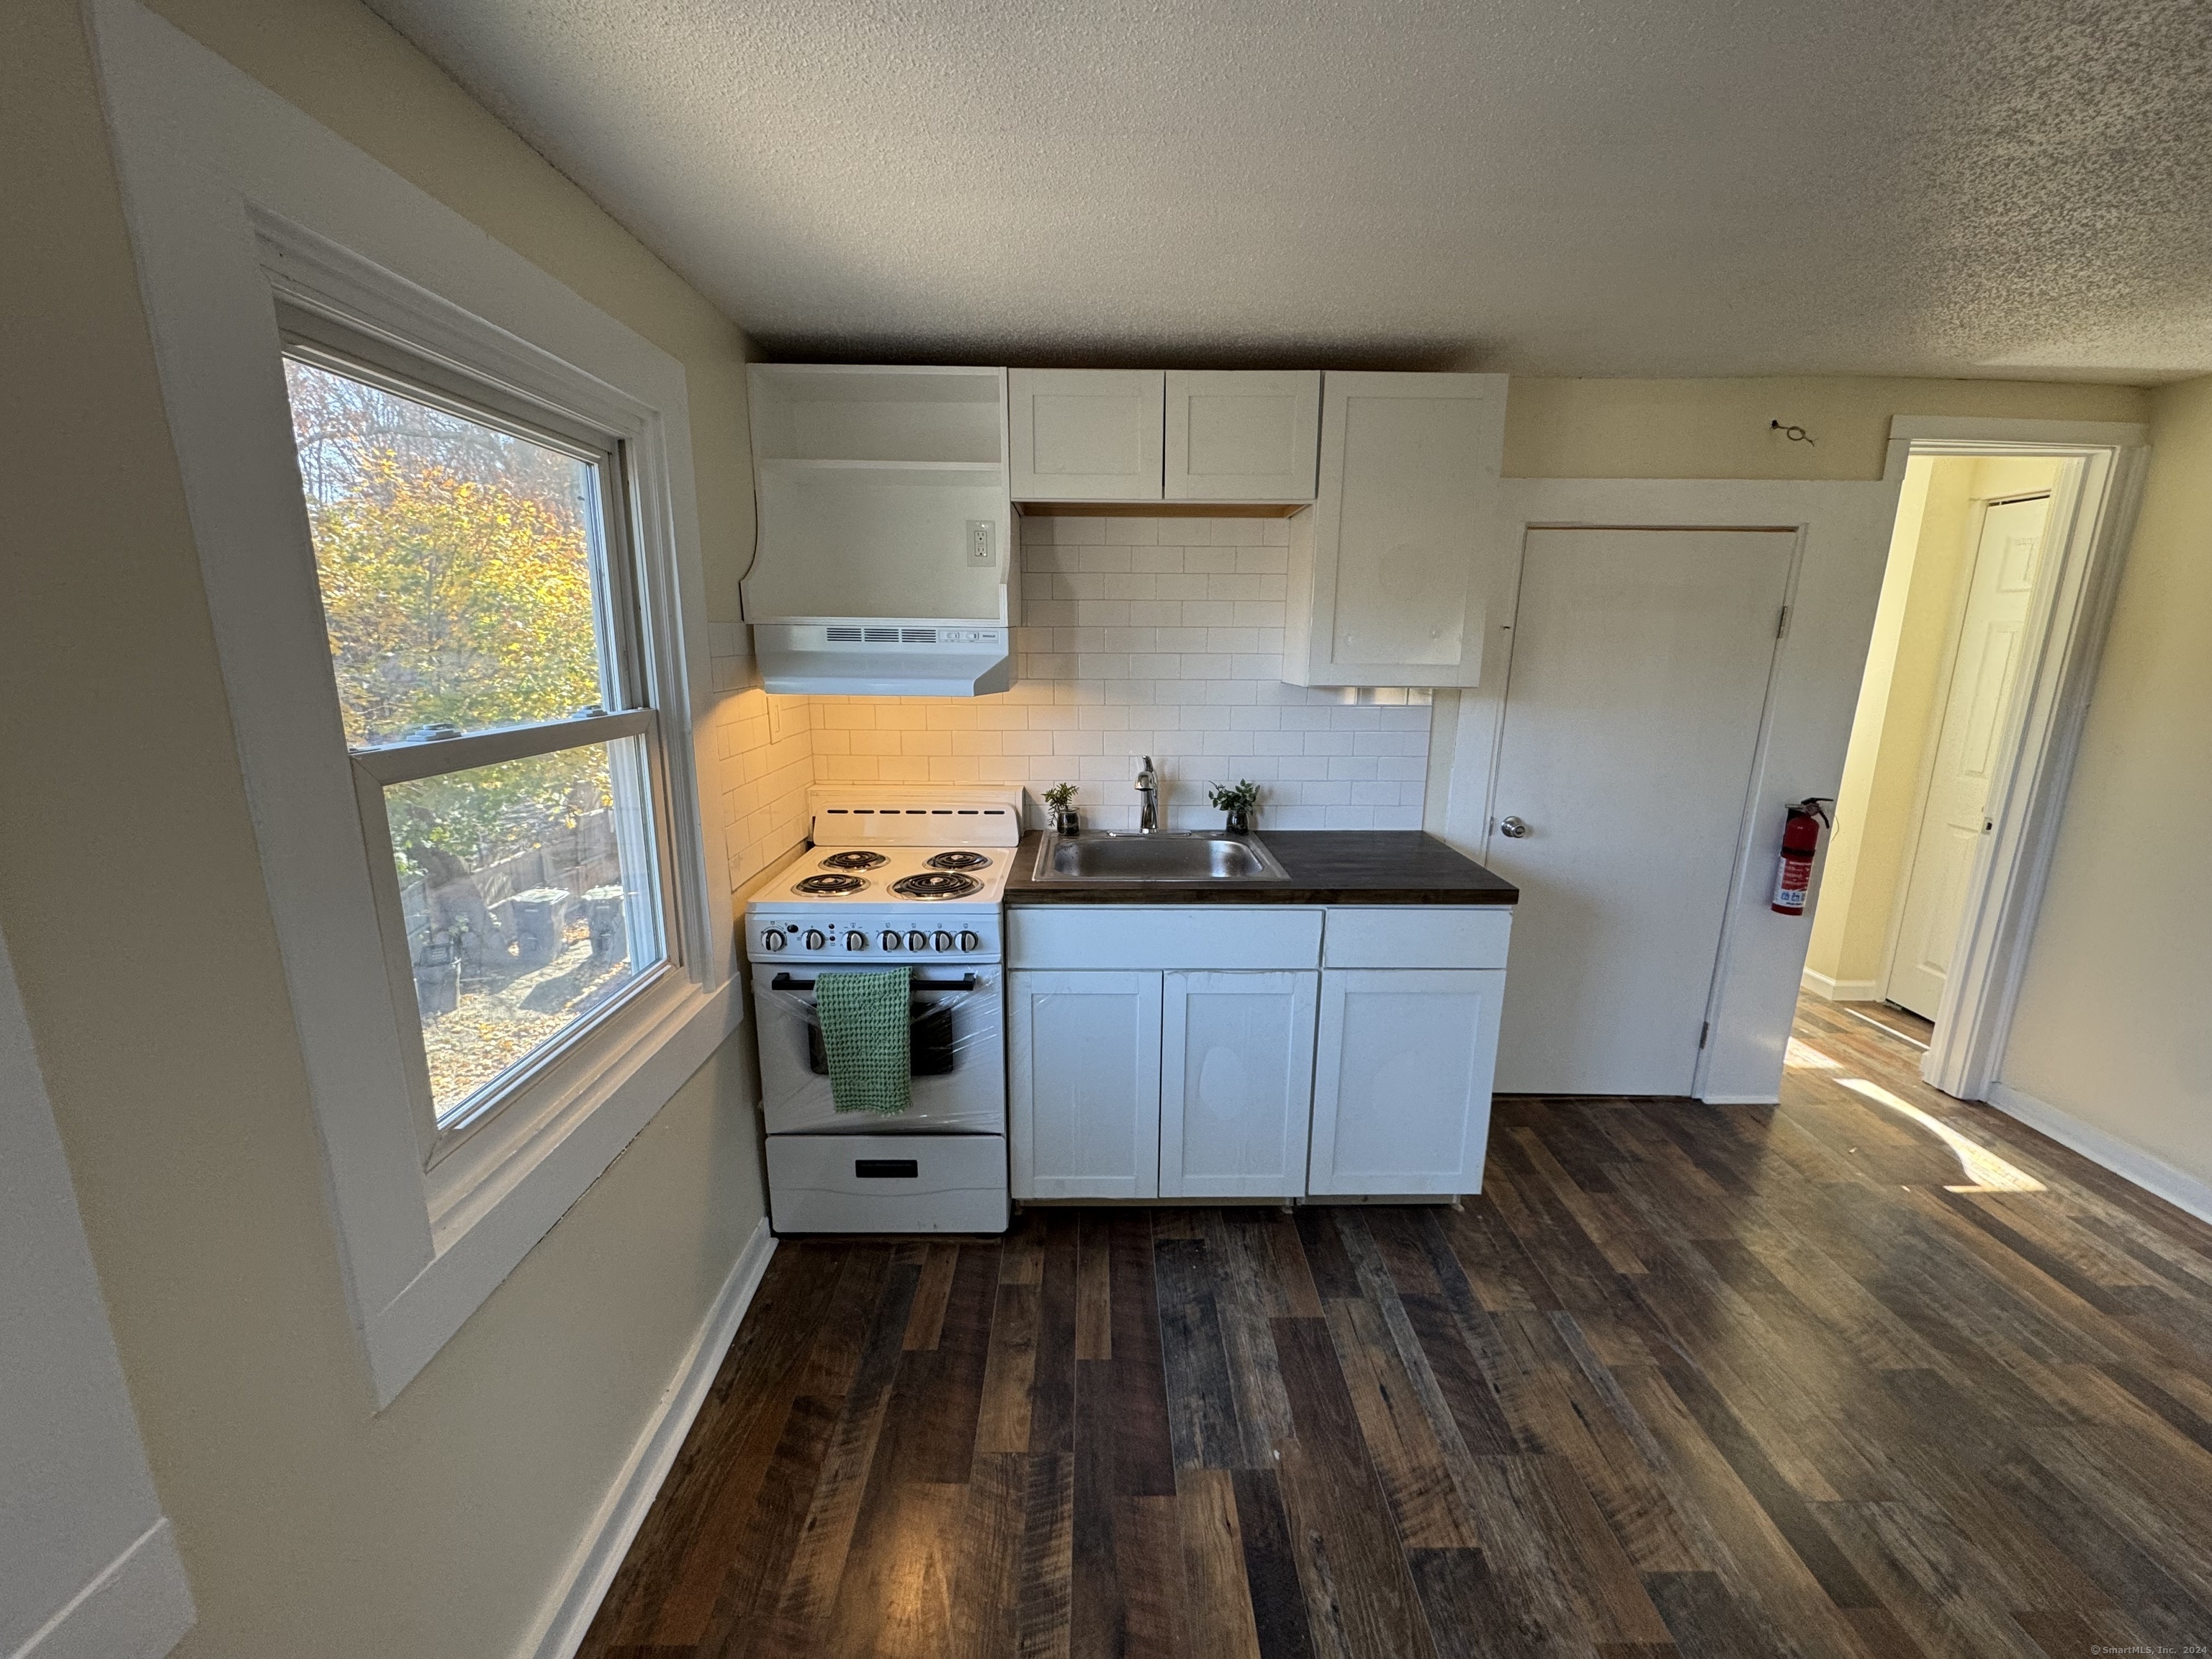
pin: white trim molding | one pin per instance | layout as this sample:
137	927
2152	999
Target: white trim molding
1840	990
1842	530
139	1606
2092	513
2129	1162
72	1464
238	205
583	1584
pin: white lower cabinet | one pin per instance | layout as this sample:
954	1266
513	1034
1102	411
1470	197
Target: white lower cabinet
1236	1083
1229	1053
1084	1064
1401	1080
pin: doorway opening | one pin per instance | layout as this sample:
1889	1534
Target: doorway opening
2000	567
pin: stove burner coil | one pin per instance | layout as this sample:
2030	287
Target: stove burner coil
936	884
958	861
819	885
854	860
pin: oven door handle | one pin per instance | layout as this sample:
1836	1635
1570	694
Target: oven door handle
785	982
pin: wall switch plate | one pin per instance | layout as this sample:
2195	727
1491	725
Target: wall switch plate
983	539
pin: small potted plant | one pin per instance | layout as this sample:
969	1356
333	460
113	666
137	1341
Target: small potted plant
1239	800
1061	799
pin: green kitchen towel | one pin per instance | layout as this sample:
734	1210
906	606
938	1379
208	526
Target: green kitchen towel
864	1034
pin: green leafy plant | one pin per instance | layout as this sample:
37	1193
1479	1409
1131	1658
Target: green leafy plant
1059	796
1239	800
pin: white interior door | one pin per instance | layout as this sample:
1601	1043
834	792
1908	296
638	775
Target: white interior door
1236	1083
1641	660
1985	666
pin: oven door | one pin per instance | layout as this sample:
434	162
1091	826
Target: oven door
956	1048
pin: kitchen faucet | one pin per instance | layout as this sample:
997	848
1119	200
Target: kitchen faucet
1148	786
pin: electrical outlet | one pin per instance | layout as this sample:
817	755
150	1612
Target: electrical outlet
982	543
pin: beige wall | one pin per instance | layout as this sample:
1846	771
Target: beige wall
1561	429
1931	561
2114	1025
131	894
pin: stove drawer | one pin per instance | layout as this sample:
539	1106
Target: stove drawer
849	1183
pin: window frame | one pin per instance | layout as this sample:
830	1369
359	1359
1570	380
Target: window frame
237	204
331	344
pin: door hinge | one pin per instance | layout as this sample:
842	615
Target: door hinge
1705	1031
1782	624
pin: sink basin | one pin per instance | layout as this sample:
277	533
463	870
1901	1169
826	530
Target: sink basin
1184	858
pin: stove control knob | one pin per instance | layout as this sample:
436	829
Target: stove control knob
772	939
968	941
917	940
941	939
816	939
890	940
856	941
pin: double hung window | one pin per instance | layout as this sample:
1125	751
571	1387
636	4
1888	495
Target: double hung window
479	582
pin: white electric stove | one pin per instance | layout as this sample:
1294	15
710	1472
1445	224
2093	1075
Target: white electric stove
902	876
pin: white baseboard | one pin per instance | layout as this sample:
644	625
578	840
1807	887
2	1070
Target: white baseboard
1840	990
2153	1174
1738	1100
137	1607
560	1628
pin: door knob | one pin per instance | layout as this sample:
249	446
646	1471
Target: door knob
1513	829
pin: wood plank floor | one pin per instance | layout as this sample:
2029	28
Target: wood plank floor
1869	1375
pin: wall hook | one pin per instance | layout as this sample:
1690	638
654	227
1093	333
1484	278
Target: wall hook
1797	435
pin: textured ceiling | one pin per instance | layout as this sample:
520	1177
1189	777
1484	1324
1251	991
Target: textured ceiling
1622	187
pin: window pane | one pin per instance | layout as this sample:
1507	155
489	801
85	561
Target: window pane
456	563
530	900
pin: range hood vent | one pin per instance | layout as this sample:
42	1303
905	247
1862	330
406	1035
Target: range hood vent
857	633
858	659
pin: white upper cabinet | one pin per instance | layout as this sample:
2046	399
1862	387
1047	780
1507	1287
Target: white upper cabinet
1388	570
882	493
1242	436
1085	434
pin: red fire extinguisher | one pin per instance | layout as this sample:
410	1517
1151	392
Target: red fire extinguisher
1800	839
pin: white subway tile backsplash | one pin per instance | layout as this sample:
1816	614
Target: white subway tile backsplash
1138	636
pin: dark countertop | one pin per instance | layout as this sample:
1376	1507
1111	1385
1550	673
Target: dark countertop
1326	866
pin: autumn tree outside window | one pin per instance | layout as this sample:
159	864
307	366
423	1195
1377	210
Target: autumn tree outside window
480	597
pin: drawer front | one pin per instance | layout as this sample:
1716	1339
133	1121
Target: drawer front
847	1183
1214	936
1417	936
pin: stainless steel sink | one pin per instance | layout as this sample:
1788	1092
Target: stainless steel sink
1184	858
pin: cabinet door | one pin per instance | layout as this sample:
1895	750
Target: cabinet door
1237	435
1236	1083
1085	1064
1401	1080
1389	571
1085	435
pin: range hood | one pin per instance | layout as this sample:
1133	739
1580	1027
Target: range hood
871	658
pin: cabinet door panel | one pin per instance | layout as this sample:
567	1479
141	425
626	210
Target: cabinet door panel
1242	436
1401	1080
1085	435
1236	1083
1085	1064
1389	572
